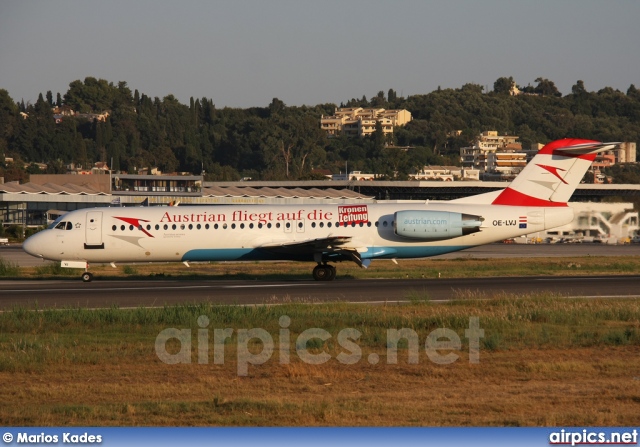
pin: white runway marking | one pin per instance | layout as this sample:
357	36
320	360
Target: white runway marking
601	278
108	289
116	289
260	286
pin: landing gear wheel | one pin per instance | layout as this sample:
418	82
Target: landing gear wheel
323	272
87	277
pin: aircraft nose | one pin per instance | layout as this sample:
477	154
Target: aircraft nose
31	246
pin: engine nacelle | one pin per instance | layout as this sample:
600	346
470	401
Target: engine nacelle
435	225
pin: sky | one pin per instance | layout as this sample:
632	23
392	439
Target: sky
244	53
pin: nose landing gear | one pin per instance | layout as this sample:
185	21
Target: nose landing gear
324	272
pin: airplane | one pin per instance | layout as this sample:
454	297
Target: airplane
535	200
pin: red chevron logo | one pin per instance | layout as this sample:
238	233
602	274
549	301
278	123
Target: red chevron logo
554	171
136	223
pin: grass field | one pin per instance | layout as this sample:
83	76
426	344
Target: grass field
543	360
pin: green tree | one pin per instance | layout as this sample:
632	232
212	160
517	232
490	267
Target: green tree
56	167
578	88
546	87
392	96
503	85
8	121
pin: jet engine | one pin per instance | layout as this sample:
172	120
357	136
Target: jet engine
435	225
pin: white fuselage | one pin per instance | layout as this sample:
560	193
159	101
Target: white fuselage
237	232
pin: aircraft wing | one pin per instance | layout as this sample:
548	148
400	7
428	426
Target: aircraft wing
320	245
331	245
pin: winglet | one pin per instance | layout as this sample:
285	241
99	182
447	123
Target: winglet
554	173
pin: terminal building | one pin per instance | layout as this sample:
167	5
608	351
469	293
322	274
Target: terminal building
47	195
605	222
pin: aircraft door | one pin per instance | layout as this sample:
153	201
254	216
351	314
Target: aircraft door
93	230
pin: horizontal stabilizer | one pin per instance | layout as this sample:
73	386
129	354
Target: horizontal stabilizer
580	149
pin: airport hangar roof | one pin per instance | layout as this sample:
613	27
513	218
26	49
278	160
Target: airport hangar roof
249	191
436	190
47	192
48	188
313	190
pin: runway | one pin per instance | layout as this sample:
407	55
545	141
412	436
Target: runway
136	293
73	293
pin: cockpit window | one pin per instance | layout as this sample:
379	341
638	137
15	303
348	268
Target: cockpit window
63	226
55	223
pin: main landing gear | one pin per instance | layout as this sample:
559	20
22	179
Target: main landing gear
324	272
87	277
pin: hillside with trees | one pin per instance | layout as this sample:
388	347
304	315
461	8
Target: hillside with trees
279	142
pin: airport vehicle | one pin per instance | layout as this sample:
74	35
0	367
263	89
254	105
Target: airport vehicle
536	200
